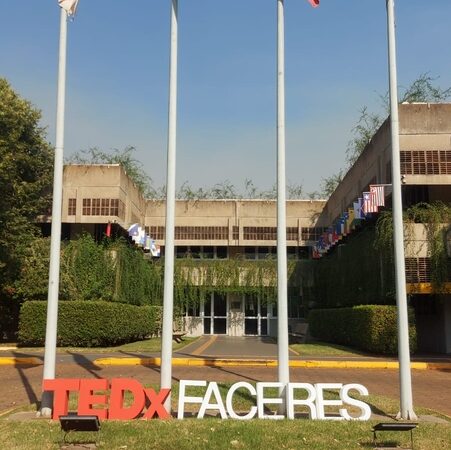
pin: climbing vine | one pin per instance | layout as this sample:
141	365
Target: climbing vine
194	279
436	219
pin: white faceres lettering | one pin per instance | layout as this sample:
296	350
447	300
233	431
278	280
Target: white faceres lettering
315	401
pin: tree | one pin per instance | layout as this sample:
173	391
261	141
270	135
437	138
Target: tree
329	184
26	161
423	90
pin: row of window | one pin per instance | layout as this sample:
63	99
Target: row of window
251	253
426	162
98	207
249	233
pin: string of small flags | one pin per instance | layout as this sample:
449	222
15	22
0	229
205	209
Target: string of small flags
142	239
366	205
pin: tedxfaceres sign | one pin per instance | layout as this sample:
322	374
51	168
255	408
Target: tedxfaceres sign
148	404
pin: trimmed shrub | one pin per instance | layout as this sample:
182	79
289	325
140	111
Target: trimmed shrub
89	323
367	327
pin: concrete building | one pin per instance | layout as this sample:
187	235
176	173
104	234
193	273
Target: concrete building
425	146
97	195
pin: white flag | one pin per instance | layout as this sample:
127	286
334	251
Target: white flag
69	6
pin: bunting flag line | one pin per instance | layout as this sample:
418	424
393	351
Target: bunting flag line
378	192
70	6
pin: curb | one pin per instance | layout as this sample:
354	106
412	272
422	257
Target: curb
269	363
16	361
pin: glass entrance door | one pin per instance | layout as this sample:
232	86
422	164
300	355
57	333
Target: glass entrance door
215	314
255	317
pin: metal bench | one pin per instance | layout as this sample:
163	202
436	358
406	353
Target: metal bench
298	334
177	336
395	426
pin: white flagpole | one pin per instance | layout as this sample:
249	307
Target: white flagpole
282	294
168	296
398	237
55	241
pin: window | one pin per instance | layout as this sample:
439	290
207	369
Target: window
103	207
72	207
311	233
426	162
86	206
114	207
202	233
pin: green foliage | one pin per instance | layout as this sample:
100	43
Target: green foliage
329	184
137	281
370	327
350	276
435	217
106	271
89	324
90	270
33	281
424	90
194	279
25	190
366	127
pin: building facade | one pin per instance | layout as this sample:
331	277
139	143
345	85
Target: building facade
99	196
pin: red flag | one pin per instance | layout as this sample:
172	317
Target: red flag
314	3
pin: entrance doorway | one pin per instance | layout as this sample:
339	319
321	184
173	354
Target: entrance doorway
255	316
215	314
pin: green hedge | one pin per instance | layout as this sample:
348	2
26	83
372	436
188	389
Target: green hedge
367	327
89	323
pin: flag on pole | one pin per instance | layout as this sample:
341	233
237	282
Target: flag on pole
70	6
314	3
379	194
369	204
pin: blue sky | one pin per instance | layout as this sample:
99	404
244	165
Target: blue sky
118	51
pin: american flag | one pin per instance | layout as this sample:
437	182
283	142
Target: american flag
369	203
379	193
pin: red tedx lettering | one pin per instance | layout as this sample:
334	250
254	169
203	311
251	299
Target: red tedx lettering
156	404
114	409
118	388
61	389
87	398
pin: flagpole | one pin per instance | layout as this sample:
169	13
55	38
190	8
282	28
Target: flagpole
55	240
168	296
406	402
282	294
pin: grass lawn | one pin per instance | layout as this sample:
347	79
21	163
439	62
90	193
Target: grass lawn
145	346
212	433
325	349
218	434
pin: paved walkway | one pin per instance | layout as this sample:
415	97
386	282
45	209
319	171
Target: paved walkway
219	350
21	383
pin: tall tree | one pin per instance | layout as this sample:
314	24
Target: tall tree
26	160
